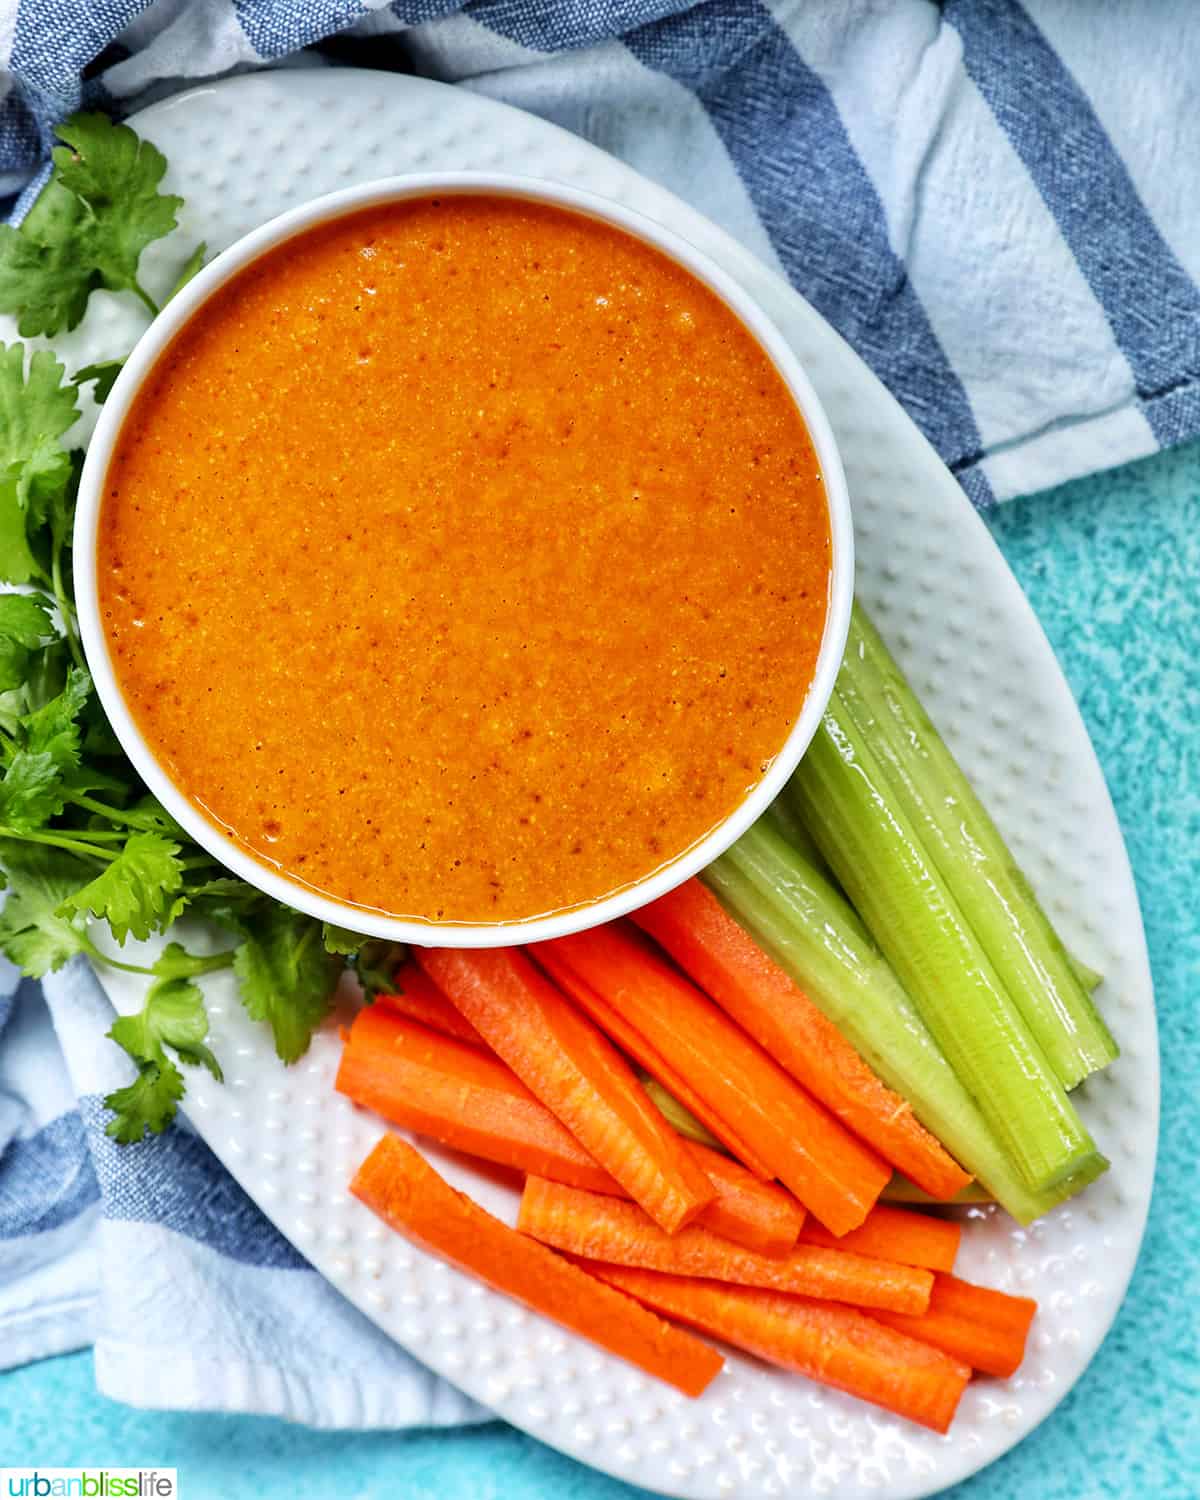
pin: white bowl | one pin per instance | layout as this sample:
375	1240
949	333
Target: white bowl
238	859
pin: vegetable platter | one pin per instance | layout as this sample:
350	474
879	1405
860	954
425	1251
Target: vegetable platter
197	992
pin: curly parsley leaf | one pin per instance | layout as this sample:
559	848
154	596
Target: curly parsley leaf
32	933
285	975
139	892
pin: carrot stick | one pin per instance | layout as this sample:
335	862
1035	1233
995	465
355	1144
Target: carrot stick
724	960
984	1328
404	1190
469	1100
417	996
461	1096
834	1175
838	1346
637	1045
761	1216
577	1074
893	1234
607	1229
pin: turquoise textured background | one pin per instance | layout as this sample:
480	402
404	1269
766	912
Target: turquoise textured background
1112	565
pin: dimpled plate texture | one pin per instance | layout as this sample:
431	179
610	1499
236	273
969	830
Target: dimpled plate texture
243	151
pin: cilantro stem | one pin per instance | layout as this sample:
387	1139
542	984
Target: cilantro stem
198	861
145	296
117	815
194	966
58	841
65	607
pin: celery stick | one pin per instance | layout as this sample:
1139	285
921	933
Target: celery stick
809	929
785	821
1090	978
843	796
901	1190
966	848
678	1116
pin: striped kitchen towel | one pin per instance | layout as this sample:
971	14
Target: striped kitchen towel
991	201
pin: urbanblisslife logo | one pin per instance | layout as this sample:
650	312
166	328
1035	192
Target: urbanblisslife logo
91	1484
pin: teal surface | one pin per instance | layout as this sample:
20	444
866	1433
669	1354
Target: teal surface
1112	565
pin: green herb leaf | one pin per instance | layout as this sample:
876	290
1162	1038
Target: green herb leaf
147	1104
17	562
173	1016
32	934
116	174
24	620
105	376
36	408
139	892
46	273
375	966
341	939
36	472
24	625
31	792
285	975
190	266
373	959
54	727
88	228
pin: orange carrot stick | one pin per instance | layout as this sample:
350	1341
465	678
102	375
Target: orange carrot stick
637	1045
404	1190
724	960
986	1329
833	1174
619	1233
577	1073
417	996
893	1234
461	1096
760	1215
835	1345
467	1099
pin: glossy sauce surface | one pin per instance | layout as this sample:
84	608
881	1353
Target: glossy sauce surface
464	559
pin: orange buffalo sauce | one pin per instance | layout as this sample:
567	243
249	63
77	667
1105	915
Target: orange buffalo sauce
464	559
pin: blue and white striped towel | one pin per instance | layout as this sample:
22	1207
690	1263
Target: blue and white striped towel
992	202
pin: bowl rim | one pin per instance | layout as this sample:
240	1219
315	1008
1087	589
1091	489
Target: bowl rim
239	859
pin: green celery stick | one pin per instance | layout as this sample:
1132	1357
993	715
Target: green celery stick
877	855
783	818
1090	978
678	1116
931	791
809	929
901	1190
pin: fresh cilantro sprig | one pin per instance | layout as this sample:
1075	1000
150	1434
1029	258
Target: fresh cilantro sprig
81	839
88	228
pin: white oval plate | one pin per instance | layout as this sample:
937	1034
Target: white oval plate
244	150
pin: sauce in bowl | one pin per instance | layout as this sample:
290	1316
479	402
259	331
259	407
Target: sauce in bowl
464	559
